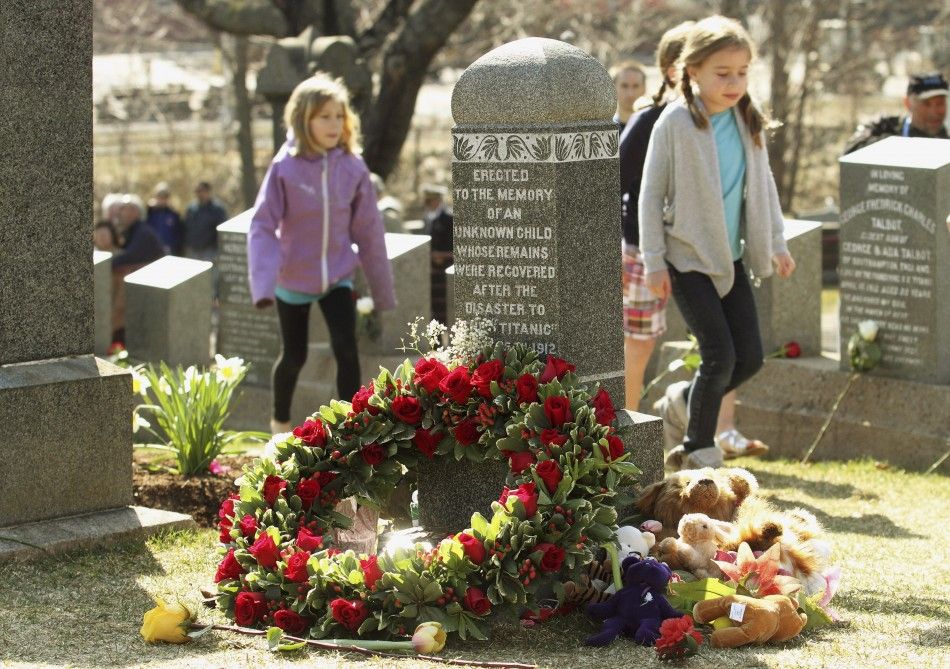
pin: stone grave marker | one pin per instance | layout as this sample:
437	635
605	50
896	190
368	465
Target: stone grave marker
895	254
66	441
168	311
102	300
536	202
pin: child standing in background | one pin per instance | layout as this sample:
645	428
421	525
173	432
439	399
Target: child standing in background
708	206
316	201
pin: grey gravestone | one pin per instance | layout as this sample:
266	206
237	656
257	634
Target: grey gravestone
66	441
243	330
450	295
536	202
102	292
895	254
168	311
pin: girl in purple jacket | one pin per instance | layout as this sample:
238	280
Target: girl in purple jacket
316	202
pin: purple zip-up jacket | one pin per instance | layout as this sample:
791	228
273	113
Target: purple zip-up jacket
290	242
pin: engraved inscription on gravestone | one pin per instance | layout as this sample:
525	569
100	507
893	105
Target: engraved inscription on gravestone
894	253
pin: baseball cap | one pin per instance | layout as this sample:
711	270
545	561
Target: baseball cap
927	85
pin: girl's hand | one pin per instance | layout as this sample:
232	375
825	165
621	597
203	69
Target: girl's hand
264	303
784	264
658	283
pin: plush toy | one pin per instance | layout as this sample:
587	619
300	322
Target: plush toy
600	579
715	492
772	618
699	538
638	608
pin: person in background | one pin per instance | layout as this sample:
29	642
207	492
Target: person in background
165	222
104	237
202	219
389	207
438	222
138	246
926	105
708	206
630	82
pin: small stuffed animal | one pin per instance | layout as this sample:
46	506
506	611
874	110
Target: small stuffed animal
597	583
700	538
715	492
638	608
773	618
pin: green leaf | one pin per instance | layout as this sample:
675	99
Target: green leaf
274	635
480	525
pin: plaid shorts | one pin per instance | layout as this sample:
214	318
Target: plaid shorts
644	316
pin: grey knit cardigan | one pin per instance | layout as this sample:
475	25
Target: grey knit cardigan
682	217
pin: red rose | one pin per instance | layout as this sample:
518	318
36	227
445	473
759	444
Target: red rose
614	447
290	621
520	461
407	409
558	410
373	454
429	372
457	385
224	534
308	490
551	436
371	571
226	510
466	432
555	368
312	433
325	477
272	487
527	387
604	407
361	403
265	551
528	495
308	541
248	526
249	607
297	567
793	349
476	601
485	373
350	614
552	557
550	473
229	569
474	549
427	441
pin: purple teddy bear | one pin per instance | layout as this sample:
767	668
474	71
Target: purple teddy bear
638	608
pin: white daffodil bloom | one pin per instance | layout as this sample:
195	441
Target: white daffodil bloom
868	330
140	384
365	305
228	369
164	386
138	422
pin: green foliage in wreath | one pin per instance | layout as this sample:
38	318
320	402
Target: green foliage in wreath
280	568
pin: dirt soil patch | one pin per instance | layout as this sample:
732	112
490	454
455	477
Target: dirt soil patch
198	496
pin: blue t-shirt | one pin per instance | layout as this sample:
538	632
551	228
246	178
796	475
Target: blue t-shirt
295	297
731	173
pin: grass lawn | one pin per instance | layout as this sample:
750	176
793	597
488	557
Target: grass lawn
888	528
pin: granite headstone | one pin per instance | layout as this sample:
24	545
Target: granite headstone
168	311
895	254
102	292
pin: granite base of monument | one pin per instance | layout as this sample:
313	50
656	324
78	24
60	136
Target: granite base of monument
102	300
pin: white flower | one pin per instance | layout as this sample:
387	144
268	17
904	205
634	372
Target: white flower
140	384
868	330
164	386
365	305
228	370
139	422
192	375
676	364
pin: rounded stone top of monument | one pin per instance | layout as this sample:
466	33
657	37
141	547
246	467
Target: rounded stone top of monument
534	81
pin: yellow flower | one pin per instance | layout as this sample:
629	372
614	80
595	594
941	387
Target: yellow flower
429	638
166	623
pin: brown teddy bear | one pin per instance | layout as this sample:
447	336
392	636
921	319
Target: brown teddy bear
772	618
715	492
699	538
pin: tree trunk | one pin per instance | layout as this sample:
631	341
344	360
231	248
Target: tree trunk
779	46
242	112
405	63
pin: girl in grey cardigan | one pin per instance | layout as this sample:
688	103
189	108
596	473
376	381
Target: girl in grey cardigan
708	206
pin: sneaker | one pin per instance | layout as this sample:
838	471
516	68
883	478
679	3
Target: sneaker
676	458
672	409
734	445
277	427
710	456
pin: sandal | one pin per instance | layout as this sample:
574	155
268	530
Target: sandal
734	445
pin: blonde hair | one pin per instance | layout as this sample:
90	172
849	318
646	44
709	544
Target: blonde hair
707	37
307	100
667	53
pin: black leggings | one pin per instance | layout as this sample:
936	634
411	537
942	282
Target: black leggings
727	329
340	314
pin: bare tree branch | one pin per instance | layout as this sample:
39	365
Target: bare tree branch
373	37
251	17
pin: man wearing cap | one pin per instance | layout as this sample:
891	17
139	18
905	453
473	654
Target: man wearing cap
438	221
926	103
